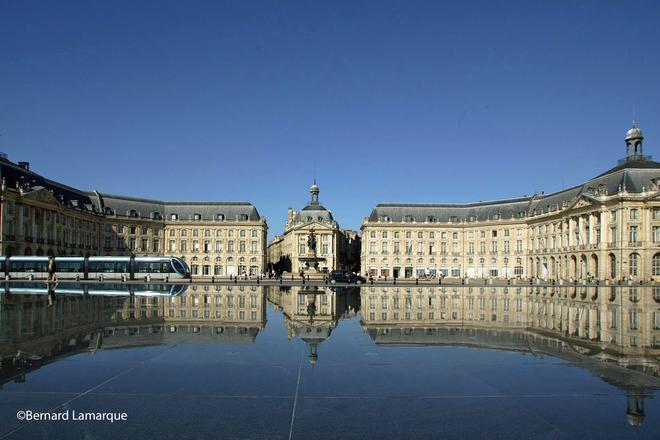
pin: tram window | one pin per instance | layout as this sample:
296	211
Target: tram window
28	266
153	267
101	266
68	266
178	267
144	267
108	266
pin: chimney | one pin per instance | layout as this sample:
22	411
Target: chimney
24	165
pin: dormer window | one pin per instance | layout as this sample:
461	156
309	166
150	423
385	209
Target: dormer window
156	215
132	213
174	216
243	217
219	216
409	218
197	216
430	219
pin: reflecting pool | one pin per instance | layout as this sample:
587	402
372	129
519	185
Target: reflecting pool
249	361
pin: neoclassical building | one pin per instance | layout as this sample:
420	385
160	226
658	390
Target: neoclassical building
215	238
43	217
312	241
608	228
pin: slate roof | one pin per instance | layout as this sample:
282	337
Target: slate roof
633	176
12	174
145	208
316	212
122	205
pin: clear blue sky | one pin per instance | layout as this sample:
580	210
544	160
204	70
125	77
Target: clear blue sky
382	101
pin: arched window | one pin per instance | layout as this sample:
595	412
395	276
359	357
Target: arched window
656	265
633	265
612	266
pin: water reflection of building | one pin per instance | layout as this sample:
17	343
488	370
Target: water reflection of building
35	329
608	227
312	313
613	332
227	314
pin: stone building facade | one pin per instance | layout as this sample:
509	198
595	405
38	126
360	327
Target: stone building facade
290	252
606	228
217	239
43	217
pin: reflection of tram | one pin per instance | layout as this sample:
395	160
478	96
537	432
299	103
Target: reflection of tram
83	268
107	289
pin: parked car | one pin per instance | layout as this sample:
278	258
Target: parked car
345	276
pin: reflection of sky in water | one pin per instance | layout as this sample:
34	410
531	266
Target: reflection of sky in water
375	362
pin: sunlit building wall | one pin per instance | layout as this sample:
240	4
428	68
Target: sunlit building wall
606	228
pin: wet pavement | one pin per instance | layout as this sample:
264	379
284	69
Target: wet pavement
321	363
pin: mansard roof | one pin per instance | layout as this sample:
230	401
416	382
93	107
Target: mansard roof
631	177
316	212
145	208
15	176
633	164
